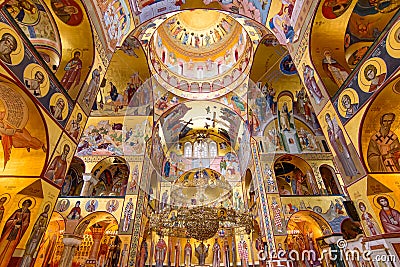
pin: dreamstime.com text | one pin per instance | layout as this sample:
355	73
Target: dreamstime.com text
341	254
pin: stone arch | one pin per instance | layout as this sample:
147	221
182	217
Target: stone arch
330	180
112	174
295	176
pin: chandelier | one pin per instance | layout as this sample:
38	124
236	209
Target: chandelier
200	223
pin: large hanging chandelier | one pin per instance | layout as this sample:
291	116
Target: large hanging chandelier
200	223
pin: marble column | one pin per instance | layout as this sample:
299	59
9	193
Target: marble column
89	181
71	242
97	235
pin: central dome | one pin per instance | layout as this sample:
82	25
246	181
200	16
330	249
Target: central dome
200	34
201	51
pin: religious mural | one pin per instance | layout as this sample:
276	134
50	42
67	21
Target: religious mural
38	25
112	137
331	211
32	74
116	21
68	11
126	225
78	53
123	90
113	181
283	116
281	23
338	140
379	133
25	214
59	163
21	138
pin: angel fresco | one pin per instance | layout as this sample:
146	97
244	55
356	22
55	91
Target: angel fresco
13	132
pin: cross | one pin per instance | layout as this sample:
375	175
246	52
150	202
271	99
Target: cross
391	166
389	138
213	119
187	123
379	137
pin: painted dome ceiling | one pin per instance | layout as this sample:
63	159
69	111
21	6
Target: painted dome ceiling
199	51
199	34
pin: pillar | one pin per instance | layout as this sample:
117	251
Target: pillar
71	242
97	235
88	182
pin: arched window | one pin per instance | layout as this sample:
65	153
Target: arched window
200	150
196	148
329	178
188	150
213	149
204	150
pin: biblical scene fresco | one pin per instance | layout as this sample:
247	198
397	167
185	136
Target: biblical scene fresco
344	152
295	177
23	133
30	205
113	180
283	20
121	89
38	25
331	209
119	136
115	21
295	127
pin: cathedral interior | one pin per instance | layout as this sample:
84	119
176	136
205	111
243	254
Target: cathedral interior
201	133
